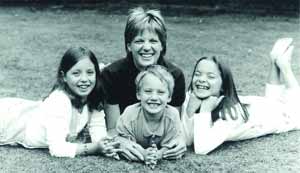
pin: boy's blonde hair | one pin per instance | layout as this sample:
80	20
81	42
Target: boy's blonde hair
140	20
160	72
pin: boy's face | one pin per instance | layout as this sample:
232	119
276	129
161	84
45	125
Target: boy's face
145	48
207	80
153	94
81	78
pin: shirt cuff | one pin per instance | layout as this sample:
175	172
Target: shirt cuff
63	150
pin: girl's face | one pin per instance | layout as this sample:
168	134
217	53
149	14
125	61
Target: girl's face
207	80
81	78
153	94
145	48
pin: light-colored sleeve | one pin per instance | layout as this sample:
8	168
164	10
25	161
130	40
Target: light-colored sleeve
125	127
187	127
208	136
58	112
97	126
174	129
56	138
187	123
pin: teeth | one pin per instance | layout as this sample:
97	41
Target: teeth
202	87
153	104
84	86
146	55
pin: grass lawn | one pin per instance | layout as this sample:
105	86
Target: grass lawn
32	42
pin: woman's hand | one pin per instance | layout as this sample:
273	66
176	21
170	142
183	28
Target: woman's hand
193	104
130	150
178	148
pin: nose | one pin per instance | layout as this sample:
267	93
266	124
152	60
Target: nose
84	77
202	78
147	46
154	96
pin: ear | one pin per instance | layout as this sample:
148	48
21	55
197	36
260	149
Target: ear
63	76
169	99
138	95
128	47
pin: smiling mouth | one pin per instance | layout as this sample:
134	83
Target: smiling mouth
148	55
202	87
154	105
83	87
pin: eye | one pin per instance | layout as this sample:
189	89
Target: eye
211	76
161	92
138	41
197	74
76	73
154	41
90	72
147	91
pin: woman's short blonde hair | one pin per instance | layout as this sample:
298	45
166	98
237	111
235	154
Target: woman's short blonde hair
140	20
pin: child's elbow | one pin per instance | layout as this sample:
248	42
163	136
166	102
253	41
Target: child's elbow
63	150
202	150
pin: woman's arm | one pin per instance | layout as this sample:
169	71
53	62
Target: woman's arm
97	125
112	112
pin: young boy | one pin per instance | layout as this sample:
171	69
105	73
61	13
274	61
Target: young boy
152	122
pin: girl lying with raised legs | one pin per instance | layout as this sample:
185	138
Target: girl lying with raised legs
213	112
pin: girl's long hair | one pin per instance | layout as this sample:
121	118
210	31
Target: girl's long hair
69	59
230	104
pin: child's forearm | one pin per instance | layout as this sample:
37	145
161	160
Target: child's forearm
88	149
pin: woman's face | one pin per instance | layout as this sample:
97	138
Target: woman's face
207	80
81	78
145	48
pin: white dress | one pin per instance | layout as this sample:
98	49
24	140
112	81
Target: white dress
46	124
277	112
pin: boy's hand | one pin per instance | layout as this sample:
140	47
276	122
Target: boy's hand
152	155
